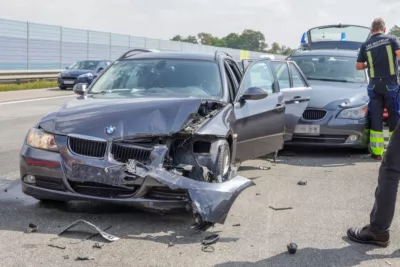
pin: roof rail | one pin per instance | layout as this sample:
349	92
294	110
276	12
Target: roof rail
220	52
125	55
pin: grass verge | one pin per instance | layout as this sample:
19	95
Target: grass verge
28	86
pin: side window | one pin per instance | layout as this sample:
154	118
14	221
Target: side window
233	87
298	80
102	64
260	75
235	69
282	73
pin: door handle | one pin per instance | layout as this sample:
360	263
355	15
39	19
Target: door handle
298	99
279	107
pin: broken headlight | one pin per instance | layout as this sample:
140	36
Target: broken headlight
38	138
353	113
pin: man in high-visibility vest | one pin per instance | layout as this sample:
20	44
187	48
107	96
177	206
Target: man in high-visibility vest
382	53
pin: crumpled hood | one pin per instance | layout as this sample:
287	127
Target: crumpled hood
75	73
91	116
331	95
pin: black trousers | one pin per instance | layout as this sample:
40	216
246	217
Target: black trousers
383	93
388	181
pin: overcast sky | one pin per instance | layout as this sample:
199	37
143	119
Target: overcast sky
283	21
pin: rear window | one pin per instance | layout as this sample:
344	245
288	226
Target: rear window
330	68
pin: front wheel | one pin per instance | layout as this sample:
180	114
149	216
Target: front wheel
62	87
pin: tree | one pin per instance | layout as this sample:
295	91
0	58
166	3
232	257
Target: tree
205	38
275	48
232	40
177	38
252	40
395	30
248	40
208	39
189	39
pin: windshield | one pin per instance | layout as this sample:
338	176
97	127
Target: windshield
161	78
84	65
346	33
330	68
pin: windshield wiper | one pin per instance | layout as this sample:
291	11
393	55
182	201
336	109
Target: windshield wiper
328	80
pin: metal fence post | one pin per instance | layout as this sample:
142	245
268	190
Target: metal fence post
87	44
109	55
27	46
61	45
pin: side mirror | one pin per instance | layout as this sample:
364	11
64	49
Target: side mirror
254	93
80	88
66	67
100	70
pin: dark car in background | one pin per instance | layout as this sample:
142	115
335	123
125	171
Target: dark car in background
160	131
337	112
84	71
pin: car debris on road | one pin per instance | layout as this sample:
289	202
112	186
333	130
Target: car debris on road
32	228
302	182
105	235
283	208
292	248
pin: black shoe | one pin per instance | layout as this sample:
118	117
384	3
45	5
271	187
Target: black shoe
366	236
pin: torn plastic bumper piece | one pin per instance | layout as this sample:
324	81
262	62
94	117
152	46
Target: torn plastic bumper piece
212	201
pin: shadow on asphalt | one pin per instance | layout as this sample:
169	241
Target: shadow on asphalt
18	210
351	255
320	157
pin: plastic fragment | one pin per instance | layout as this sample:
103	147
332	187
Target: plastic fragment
32	228
170	244
236	225
105	235
265	168
98	245
292	248
56	246
209	240
302	182
388	263
285	208
84	258
208	249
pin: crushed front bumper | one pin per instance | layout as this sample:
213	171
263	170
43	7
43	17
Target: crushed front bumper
55	176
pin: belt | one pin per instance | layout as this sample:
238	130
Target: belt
391	79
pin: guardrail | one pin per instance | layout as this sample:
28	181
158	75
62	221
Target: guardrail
21	76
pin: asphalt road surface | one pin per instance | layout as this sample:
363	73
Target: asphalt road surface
338	194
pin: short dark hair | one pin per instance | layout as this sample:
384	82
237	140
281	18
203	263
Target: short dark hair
378	25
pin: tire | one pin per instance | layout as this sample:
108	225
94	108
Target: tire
62	87
223	163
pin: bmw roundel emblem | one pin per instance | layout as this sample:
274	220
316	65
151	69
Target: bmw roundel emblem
110	129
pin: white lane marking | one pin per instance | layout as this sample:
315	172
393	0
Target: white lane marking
33	100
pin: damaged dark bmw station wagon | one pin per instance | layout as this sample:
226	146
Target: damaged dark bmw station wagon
158	130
